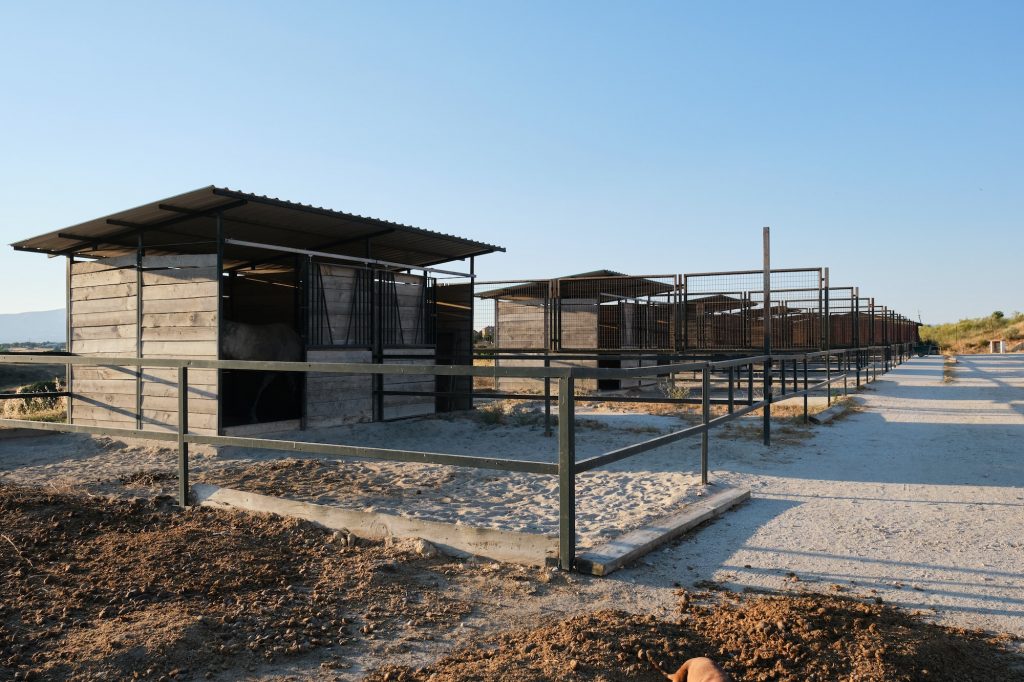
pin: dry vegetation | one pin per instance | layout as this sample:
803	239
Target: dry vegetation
973	335
48	409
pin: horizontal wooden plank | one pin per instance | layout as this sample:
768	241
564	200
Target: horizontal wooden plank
102	278
125	347
110	291
161	390
180	305
175	349
400	400
86	267
112	414
169	376
118	331
195	421
179	276
94	386
124	400
194	260
401	411
104	423
190	290
170	405
102	373
102	319
180	334
195	319
105	305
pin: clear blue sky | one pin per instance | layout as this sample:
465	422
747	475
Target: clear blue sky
883	140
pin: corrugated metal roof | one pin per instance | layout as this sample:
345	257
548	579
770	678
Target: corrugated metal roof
187	223
585	284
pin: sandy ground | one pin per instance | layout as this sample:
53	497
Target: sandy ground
916	499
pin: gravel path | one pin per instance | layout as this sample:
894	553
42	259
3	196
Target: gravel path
918	500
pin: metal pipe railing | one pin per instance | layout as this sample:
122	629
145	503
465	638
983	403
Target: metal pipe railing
567	466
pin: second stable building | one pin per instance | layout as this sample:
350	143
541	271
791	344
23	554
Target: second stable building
598	313
168	279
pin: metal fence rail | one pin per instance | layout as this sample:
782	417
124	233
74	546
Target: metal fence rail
791	372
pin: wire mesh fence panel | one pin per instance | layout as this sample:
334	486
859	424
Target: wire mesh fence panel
616	312
726	310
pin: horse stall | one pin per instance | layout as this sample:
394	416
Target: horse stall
602	319
221	274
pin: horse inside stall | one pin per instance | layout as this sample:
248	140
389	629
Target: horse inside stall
275	342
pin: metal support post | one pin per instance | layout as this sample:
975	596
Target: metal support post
767	425
750	384
805	389
732	397
828	379
705	408
547	397
566	473
182	431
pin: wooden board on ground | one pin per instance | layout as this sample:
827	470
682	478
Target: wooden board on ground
500	545
612	556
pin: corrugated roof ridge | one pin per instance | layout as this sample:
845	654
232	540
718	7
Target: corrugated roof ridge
384	221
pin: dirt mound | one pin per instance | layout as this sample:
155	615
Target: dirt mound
789	638
97	589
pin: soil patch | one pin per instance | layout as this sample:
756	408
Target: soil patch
754	637
97	589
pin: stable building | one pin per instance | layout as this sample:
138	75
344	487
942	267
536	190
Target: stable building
171	278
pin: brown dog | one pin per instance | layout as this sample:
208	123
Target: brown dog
694	670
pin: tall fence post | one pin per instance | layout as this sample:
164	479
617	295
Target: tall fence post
767	425
547	396
705	407
182	431
805	388
732	393
566	473
828	379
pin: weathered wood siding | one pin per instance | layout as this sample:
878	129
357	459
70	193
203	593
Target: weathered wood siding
409	405
103	323
520	324
179	319
333	399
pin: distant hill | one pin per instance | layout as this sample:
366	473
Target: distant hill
972	335
38	326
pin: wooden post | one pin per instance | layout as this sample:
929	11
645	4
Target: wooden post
566	473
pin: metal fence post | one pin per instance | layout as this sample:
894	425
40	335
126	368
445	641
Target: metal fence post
732	395
828	378
705	405
767	425
182	430
566	473
547	397
805	389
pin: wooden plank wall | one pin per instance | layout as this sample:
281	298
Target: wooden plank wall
103	310
520	324
396	406
179	319
333	399
339	286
